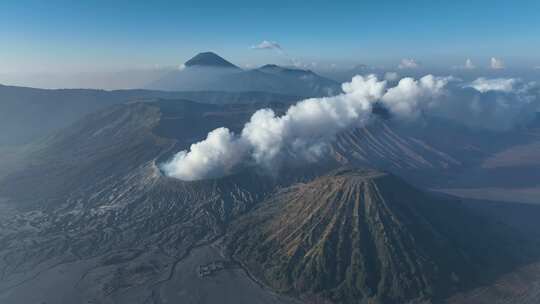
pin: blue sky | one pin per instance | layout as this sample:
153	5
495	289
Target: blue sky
57	36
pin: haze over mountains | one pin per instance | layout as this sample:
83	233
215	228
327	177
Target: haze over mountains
28	113
207	78
87	215
209	72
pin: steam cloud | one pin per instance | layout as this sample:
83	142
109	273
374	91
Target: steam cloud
305	129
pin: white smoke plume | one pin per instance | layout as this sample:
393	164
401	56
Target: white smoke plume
410	95
304	130
208	158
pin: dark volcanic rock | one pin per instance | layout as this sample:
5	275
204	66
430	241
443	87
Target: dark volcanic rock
209	59
357	235
96	216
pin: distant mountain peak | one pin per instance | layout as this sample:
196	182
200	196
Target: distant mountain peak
209	72
274	68
270	66
209	59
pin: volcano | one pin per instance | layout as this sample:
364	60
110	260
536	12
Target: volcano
88	216
208	71
209	59
366	236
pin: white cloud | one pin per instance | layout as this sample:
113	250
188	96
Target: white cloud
267	45
408	63
510	101
410	95
496	63
483	85
211	157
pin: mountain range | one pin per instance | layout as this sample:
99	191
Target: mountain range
209	72
88	216
28	113
92	197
